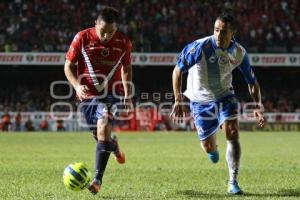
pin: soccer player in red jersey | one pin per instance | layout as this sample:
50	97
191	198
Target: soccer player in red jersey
102	75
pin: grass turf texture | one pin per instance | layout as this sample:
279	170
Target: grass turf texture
158	166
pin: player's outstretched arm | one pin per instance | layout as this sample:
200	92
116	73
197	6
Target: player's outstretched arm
178	110
254	90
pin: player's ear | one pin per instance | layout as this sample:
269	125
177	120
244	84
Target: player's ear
97	21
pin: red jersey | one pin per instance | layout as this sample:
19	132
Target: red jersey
99	61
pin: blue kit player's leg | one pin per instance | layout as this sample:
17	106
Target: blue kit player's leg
229	121
206	121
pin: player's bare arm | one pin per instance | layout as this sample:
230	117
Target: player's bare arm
178	109
81	90
256	95
126	74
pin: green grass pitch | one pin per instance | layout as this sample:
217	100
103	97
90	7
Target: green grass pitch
158	166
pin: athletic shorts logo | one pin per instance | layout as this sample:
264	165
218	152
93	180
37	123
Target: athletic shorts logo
199	129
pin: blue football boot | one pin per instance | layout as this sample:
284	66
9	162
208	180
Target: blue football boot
213	156
234	188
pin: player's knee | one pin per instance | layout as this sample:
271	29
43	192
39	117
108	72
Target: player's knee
103	131
208	147
232	134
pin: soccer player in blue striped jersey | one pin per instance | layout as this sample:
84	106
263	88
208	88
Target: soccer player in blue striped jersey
209	62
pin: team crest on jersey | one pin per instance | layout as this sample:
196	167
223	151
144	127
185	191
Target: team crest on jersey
105	52
223	60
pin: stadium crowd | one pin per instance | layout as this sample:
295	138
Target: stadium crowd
264	25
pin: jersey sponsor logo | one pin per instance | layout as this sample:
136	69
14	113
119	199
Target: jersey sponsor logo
212	59
105	52
92	46
116	49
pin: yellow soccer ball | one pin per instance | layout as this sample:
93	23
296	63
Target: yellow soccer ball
76	176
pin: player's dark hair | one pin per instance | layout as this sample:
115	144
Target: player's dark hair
228	18
108	14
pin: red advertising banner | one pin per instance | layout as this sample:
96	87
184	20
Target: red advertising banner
149	59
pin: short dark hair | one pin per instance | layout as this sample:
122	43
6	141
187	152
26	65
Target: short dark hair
108	14
228	18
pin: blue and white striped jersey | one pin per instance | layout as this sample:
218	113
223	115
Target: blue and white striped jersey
210	69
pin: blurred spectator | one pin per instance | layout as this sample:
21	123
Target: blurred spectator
60	125
5	122
151	25
44	126
18	121
29	125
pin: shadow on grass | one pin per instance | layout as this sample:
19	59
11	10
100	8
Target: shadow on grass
280	193
198	194
112	197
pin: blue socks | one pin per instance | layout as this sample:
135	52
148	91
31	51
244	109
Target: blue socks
213	156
